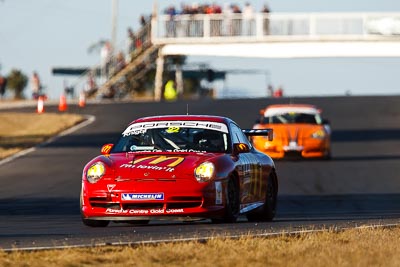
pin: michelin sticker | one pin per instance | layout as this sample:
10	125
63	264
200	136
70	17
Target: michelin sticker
142	196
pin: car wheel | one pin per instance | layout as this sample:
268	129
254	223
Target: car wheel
95	223
268	210
328	154
232	203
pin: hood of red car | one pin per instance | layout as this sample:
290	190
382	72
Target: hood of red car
156	165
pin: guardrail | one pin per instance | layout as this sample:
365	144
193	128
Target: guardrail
205	28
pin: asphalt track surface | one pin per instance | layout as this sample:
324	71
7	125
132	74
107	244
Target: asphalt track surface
39	192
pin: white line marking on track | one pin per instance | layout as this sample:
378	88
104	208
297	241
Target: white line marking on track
89	119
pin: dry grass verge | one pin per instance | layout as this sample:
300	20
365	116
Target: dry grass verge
19	131
357	247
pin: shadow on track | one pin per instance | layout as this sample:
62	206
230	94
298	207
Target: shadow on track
39	206
363	135
357	205
288	205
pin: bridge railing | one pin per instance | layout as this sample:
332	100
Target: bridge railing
205	28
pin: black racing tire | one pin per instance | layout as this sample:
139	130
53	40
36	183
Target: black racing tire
266	213
327	155
232	203
95	223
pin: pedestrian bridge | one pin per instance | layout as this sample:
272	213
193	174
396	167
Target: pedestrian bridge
279	35
262	35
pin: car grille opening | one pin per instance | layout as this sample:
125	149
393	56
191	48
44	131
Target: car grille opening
181	202
183	205
142	205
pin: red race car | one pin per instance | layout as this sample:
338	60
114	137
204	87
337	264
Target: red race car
180	168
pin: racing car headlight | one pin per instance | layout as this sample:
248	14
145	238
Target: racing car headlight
320	134
95	172
204	172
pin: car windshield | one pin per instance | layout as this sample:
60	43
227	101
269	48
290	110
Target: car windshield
293	117
175	139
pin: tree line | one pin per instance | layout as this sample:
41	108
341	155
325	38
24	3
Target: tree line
15	81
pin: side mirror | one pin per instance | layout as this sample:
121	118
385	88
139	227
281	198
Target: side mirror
105	149
240	148
262	111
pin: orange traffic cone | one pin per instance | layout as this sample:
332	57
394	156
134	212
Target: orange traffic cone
63	103
40	105
82	100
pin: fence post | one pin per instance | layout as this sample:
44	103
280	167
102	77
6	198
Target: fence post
159	76
206	26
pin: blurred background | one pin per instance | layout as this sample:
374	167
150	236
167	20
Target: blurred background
45	35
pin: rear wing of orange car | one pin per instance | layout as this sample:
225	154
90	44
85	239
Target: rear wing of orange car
259	132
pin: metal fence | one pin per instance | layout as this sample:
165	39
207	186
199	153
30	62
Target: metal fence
264	26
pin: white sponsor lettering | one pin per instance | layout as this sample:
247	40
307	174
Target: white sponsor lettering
114	211
143	212
175	211
138	128
136	132
138	212
157	211
147	167
188	150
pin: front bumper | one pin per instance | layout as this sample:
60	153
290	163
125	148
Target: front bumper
179	200
314	149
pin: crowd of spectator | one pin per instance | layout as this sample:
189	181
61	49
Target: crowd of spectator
114	61
228	25
214	8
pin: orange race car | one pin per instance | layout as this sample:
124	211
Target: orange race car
298	131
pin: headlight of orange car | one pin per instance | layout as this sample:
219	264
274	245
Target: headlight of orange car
320	134
204	172
95	172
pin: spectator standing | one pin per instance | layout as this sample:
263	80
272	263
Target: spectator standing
36	85
278	92
216	24
270	90
68	90
170	24
142	21
130	45
170	93
236	22
248	19
3	85
91	87
120	62
266	12
106	55
227	12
